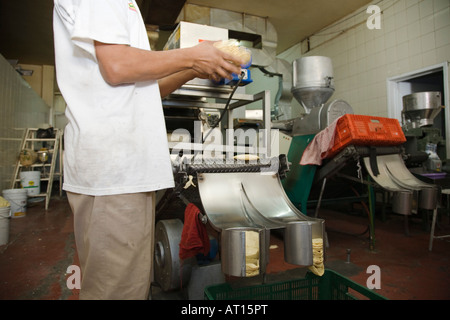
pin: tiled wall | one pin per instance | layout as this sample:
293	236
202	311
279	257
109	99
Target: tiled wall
414	34
20	108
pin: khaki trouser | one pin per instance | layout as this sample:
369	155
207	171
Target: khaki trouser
114	238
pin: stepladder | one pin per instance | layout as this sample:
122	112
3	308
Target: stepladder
40	159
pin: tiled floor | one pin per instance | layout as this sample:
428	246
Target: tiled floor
41	247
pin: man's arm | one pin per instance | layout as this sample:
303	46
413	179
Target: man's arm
169	84
121	64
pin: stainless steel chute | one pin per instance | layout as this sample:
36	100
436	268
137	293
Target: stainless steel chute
383	178
394	176
247	200
257	200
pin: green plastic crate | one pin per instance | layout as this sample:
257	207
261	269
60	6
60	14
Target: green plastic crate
331	286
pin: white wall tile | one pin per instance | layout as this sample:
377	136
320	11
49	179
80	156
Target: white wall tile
428	42
443	53
391	55
403	65
413	30
360	40
426	8
400	19
351	56
403	51
411	3
390	40
399	6
361	65
427	24
370	47
388	24
361	52
416	62
429	57
351	40
440	5
442	37
379	44
380	59
442	18
412	13
402	35
414	47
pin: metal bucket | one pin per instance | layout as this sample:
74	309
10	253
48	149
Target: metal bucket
298	241
312	81
428	198
402	202
244	251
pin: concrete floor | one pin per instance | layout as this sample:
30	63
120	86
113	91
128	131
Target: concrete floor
41	247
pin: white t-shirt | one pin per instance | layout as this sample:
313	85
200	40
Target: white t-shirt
115	141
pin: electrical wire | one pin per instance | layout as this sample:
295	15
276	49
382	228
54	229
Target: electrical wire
227	105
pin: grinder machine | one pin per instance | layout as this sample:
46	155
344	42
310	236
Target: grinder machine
424	142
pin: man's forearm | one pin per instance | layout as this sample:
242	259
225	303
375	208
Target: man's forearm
171	83
121	64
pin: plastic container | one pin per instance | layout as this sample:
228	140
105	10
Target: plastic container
5	214
18	201
366	131
330	286
31	181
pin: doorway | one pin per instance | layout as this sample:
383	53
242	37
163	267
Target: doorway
434	78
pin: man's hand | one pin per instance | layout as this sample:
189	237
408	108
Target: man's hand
121	64
210	62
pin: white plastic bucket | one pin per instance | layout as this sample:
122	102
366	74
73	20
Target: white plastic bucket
17	198
31	181
5	213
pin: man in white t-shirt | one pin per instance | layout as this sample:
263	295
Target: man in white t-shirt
116	151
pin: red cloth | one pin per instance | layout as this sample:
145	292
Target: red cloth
320	147
194	237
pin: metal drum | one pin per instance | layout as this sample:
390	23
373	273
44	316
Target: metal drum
428	198
402	202
244	251
312	81
298	238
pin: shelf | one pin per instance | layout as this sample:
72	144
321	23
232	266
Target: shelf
37	165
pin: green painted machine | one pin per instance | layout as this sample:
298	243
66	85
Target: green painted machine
312	86
299	179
